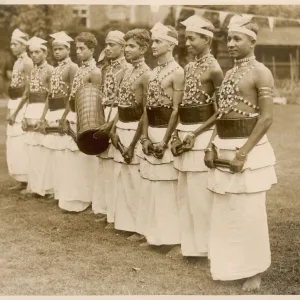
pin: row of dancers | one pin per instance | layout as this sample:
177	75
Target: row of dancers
189	162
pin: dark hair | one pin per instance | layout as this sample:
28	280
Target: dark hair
88	39
141	36
172	32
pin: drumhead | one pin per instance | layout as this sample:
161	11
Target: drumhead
87	144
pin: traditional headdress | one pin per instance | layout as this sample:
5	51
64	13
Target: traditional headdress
19	36
160	31
115	36
196	24
237	23
37	43
61	38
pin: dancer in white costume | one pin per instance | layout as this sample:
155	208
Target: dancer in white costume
202	79
56	140
16	147
239	240
39	168
112	74
127	130
157	217
75	191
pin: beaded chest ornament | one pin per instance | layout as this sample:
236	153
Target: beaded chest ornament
110	82
155	90
36	78
57	82
126	93
192	86
84	70
17	78
229	96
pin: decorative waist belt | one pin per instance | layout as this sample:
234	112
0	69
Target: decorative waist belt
130	113
235	128
195	114
38	97
159	116
15	92
57	103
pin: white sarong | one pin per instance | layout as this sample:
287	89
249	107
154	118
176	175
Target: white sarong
103	196
157	215
127	179
194	199
76	173
16	147
39	177
239	239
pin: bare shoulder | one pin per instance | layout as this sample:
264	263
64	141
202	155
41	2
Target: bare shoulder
73	66
96	71
50	69
178	72
216	69
263	76
146	75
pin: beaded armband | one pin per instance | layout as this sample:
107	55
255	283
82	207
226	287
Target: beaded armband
265	92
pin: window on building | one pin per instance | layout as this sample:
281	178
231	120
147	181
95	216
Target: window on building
82	12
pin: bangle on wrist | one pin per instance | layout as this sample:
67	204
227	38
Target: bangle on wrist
191	134
164	144
208	149
143	139
241	155
174	137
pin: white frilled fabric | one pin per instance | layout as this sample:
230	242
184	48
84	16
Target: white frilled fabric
16	147
157	215
194	199
127	180
39	175
103	196
44	178
239	239
77	175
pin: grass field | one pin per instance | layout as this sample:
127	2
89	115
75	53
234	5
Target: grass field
46	252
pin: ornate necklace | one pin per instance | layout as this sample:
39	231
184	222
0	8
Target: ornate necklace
126	96
229	92
57	82
110	82
36	76
155	89
85	69
192	87
17	78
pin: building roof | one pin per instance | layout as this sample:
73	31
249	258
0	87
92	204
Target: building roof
280	36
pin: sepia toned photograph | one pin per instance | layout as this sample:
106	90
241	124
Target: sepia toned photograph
149	149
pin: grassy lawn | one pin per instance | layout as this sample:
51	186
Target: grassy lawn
46	252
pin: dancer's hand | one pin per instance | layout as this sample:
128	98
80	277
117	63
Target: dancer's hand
188	142
209	158
63	126
237	164
159	149
128	154
114	139
148	147
176	147
11	119
24	125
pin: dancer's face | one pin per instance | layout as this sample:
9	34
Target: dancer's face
239	45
